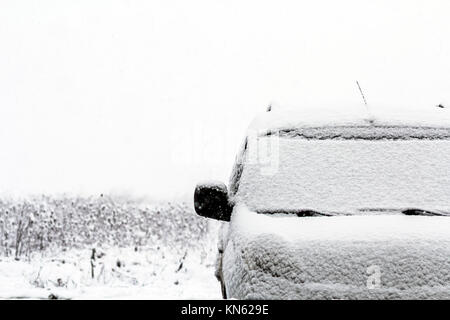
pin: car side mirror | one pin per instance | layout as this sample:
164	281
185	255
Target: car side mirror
211	201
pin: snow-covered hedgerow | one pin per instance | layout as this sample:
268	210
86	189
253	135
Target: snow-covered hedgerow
62	223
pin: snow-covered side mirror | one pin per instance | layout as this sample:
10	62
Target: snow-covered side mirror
211	201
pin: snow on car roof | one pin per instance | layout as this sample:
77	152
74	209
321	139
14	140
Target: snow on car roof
352	115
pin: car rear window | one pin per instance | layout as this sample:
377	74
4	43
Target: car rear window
348	172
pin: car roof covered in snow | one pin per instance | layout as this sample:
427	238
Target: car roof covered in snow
278	119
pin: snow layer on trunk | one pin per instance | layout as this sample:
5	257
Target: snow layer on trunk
353	257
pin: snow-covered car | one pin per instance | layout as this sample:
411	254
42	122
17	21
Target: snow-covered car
336	205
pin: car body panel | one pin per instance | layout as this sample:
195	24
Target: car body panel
343	257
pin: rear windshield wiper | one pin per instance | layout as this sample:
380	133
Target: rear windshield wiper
420	212
314	213
299	213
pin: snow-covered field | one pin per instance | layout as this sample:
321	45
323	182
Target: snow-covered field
159	251
144	274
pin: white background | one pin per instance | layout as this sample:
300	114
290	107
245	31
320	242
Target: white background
148	97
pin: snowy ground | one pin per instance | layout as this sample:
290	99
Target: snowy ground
118	274
142	251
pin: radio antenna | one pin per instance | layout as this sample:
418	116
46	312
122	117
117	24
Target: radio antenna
362	94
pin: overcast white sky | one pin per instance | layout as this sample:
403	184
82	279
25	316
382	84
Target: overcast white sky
148	97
